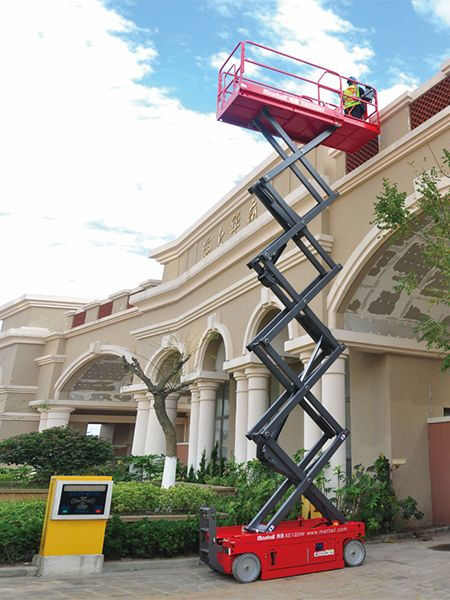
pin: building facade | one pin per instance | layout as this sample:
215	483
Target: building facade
61	359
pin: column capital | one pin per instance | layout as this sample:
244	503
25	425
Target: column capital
143	404
256	370
239	375
208	384
241	362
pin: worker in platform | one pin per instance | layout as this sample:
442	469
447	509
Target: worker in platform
352	105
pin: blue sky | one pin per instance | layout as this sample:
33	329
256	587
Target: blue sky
109	143
407	41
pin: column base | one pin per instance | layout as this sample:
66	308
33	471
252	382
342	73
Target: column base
69	565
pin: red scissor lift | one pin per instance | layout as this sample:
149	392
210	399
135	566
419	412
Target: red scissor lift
303	104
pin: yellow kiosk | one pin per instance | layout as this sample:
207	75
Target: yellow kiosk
77	510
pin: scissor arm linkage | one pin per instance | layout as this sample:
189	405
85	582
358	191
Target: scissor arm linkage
299	477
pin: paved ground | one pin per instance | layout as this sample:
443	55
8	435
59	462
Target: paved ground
405	570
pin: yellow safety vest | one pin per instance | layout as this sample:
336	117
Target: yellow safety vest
352	90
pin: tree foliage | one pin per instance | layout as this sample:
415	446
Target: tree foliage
56	451
431	224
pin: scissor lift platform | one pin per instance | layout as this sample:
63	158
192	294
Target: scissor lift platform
311	112
303	116
294	548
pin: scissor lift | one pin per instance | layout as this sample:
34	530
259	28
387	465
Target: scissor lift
268	546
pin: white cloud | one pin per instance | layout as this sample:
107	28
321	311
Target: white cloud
437	11
95	165
309	30
400	83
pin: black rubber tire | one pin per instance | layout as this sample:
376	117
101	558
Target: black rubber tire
246	568
354	553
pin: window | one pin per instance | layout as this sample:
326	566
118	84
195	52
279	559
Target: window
222	419
446	412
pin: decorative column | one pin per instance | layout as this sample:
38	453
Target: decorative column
43	419
193	427
206	417
140	428
258	400
311	433
58	416
155	440
241	419
333	399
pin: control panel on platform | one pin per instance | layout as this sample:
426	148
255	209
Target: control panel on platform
82	500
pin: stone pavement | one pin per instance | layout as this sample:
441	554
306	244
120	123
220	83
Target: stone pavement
404	570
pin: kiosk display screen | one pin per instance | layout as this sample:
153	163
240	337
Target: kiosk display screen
82	499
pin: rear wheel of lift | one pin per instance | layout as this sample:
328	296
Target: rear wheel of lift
246	568
354	553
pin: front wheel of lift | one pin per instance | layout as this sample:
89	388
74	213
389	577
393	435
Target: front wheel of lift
354	553
246	568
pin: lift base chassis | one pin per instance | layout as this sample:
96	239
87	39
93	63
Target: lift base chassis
293	548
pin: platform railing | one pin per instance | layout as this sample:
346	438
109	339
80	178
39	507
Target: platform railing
239	59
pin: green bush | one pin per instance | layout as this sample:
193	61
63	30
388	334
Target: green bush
135	497
369	496
14	474
139	468
148	539
20	529
56	451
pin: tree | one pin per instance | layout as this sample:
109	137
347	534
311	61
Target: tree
169	383
56	451
431	224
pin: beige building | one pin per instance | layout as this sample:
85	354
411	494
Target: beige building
61	358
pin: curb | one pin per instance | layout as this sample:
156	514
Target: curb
22	571
407	535
116	566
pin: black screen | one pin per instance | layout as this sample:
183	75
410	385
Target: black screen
82	499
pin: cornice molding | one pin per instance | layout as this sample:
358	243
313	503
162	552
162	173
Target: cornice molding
367	342
23	335
28	301
115	405
18	416
289	259
18	389
99	323
394	152
48	359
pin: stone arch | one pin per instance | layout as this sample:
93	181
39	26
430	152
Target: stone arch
84	361
368	247
257	317
218	329
366	299
169	346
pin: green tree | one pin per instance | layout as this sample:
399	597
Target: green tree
56	451
431	224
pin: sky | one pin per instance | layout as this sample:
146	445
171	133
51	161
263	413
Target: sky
109	146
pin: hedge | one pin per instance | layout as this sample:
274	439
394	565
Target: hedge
20	529
149	539
132	497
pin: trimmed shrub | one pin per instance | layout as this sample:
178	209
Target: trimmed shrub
149	539
56	451
20	529
134	497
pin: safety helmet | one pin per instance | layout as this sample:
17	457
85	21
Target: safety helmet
351	80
